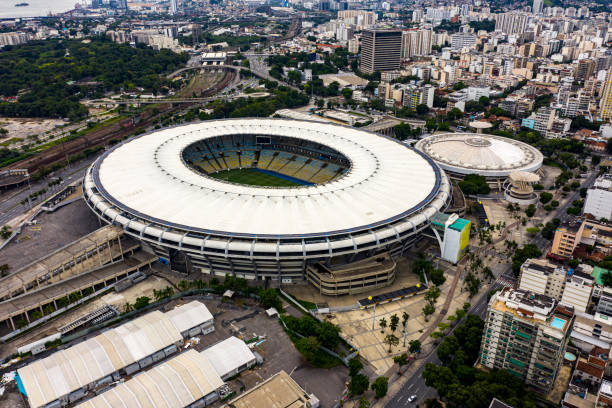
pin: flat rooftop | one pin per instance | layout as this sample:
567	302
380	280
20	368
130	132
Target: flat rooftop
279	391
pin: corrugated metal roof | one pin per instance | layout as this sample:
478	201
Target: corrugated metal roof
228	355
178	382
91	360
189	315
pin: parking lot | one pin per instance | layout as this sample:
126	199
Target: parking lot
52	231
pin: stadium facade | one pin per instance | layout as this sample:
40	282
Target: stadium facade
355	195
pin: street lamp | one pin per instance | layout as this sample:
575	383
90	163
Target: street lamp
374	313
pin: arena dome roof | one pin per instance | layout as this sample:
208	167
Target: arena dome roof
147	178
479	153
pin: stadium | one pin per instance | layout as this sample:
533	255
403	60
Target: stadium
493	157
269	198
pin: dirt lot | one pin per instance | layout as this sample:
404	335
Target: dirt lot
53	231
22	128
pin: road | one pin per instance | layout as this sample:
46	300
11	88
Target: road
10	206
416	385
504	277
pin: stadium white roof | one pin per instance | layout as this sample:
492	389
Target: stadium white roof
227	355
178	382
68	370
147	178
487	155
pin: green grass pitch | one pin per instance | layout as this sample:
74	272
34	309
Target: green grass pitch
252	177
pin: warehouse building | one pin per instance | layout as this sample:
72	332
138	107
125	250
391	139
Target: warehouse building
280	390
68	375
187	380
230	357
192	319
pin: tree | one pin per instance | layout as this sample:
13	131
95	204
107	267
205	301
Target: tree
545	197
401	360
5	232
141	302
522	254
358	384
382	323
355	365
415	346
428	310
474	184
309	347
437	277
394	322
4	270
380	386
364	403
422	109
320	103
347	93
531	210
269	298
391	340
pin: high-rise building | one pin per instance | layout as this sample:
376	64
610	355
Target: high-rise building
416	43
511	23
538	6
598	201
605	105
173	6
380	50
526	334
460	41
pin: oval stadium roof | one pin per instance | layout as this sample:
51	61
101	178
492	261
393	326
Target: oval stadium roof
387	180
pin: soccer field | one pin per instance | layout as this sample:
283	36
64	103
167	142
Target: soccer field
253	177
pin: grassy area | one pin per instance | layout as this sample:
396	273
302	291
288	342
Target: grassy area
253	177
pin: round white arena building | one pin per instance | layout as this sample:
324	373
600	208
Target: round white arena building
355	195
493	157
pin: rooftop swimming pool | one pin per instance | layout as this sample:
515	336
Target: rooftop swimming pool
557	323
569	356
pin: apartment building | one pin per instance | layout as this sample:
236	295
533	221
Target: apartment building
570	287
592	331
598	201
526	333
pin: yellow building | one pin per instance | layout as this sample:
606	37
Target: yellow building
605	110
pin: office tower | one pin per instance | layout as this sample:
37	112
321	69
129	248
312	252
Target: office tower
605	105
511	23
173	6
380	50
122	4
538	6
96	4
526	334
